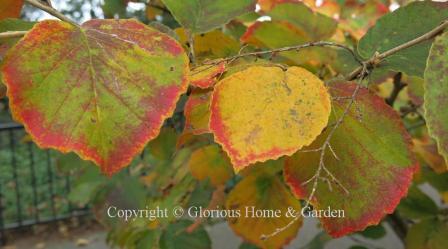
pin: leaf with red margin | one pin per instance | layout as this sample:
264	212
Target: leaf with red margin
103	92
197	112
10	8
263	191
263	113
205	76
375	163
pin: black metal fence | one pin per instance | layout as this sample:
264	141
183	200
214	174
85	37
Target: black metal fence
31	190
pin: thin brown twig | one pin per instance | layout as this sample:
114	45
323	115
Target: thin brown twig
359	73
290	48
379	57
50	10
12	34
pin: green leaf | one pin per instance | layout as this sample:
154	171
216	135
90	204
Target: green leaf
246	245
175	237
149	240
428	234
114	8
316	25
400	26
103	92
374	232
436	94
417	205
11	24
200	16
375	163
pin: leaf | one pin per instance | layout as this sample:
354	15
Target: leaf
205	76
375	163
262	192
211	45
357	17
210	162
10	24
417	205
103	92
316	25
436	94
415	89
428	234
279	34
200	16
400	26
374	232
114	8
10	8
2	90
426	149
175	237
197	112
264	113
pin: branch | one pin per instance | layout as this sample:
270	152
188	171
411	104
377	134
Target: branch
12	34
398	86
291	48
359	73
377	58
50	10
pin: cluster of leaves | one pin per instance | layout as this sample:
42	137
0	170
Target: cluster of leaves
246	115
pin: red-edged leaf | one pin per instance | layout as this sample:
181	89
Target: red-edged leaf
102	91
264	112
205	76
375	164
197	112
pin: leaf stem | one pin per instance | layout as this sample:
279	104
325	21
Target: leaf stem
50	10
12	34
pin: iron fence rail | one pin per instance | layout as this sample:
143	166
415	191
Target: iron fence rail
31	190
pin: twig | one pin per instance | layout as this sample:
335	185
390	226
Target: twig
47	8
191	54
377	58
359	73
398	86
291	48
12	34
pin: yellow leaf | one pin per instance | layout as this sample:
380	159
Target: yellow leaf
263	113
